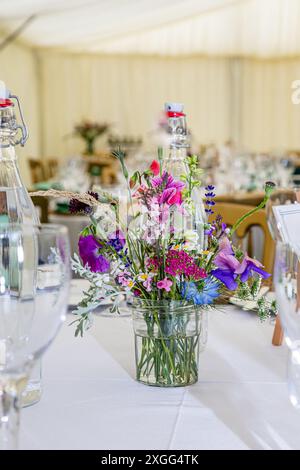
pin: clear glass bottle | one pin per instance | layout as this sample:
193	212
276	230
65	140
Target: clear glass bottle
176	165
15	203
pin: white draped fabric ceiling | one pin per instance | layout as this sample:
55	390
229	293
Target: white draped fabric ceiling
232	62
261	28
246	100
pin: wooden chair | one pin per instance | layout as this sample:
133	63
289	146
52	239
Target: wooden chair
37	170
52	167
278	333
43	204
249	199
106	164
109	174
231	213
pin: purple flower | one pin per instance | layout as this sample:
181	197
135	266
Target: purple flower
227	265
210	231
226	276
209	202
247	266
225	258
117	240
209	211
76	206
225	246
89	253
229	268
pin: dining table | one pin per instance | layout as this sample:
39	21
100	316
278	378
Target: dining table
91	399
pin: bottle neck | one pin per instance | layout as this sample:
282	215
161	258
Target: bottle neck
175	163
177	153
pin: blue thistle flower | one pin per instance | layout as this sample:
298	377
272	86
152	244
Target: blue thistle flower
205	296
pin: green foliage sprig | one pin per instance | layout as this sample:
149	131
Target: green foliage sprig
191	180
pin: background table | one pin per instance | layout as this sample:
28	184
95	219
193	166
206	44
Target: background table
91	400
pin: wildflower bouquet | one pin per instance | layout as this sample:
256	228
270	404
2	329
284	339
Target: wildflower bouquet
155	258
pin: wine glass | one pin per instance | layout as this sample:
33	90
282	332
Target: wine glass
34	285
287	288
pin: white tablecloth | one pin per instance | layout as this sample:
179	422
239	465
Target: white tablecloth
91	400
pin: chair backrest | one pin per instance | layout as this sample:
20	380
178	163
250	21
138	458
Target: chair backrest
43	204
248	199
52	167
37	170
232	212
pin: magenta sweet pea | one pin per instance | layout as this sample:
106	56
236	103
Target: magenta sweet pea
169	190
90	253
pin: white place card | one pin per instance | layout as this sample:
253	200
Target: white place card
288	223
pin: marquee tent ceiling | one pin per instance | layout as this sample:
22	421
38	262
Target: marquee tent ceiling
262	28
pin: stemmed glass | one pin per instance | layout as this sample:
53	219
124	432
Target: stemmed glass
34	284
287	288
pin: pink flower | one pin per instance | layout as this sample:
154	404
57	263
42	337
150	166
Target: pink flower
179	262
141	190
169	189
155	167
153	263
146	279
148	284
124	279
165	284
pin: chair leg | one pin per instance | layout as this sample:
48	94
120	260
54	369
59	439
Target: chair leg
278	333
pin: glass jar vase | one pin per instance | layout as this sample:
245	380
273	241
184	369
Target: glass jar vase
167	341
